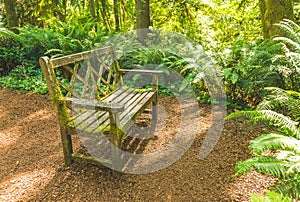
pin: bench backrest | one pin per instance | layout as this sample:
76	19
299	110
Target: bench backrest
90	75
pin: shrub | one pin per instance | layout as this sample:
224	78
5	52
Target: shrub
248	68
11	51
25	79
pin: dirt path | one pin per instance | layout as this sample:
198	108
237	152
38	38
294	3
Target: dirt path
32	168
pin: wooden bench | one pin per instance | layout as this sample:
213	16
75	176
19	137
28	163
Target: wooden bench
90	97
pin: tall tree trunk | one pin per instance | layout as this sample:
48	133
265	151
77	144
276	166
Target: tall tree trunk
273	11
11	15
142	19
123	11
104	15
117	14
92	8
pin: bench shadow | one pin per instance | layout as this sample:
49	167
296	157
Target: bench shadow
134	142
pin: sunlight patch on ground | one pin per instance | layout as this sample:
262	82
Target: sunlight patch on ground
253	182
23	185
3	114
39	115
10	136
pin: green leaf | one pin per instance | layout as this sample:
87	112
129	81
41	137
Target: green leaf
264	164
234	77
269	197
227	72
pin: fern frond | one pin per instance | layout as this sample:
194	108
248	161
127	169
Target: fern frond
274	141
289	186
293	93
264	164
239	114
280	120
289	26
288	41
282	99
276	97
269	197
295	167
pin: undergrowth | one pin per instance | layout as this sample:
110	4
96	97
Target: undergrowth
25	79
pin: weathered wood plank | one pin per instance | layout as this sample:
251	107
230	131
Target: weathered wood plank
137	108
94	121
90	159
115	96
141	71
98	123
70	59
82	117
124	98
94	104
138	97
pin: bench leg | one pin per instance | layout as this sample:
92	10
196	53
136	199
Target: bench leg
154	117
154	112
117	154
117	136
154	104
67	145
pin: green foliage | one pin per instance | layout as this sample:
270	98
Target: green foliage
36	42
25	79
285	123
75	35
63	39
164	51
282	101
269	197
214	24
12	52
276	153
291	48
263	164
248	68
32	43
284	160
289	186
274	141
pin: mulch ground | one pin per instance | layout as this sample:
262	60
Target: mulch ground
32	167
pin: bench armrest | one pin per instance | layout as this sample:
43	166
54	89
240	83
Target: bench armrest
94	104
141	71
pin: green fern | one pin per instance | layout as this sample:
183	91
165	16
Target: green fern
289	186
274	141
291	49
278	153
280	99
285	123
264	164
269	197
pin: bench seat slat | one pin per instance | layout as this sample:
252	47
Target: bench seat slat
92	121
90	124
82	117
135	109
117	96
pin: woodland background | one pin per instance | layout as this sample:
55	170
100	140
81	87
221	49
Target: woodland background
255	45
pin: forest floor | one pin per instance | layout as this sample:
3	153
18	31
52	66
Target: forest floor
32	167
